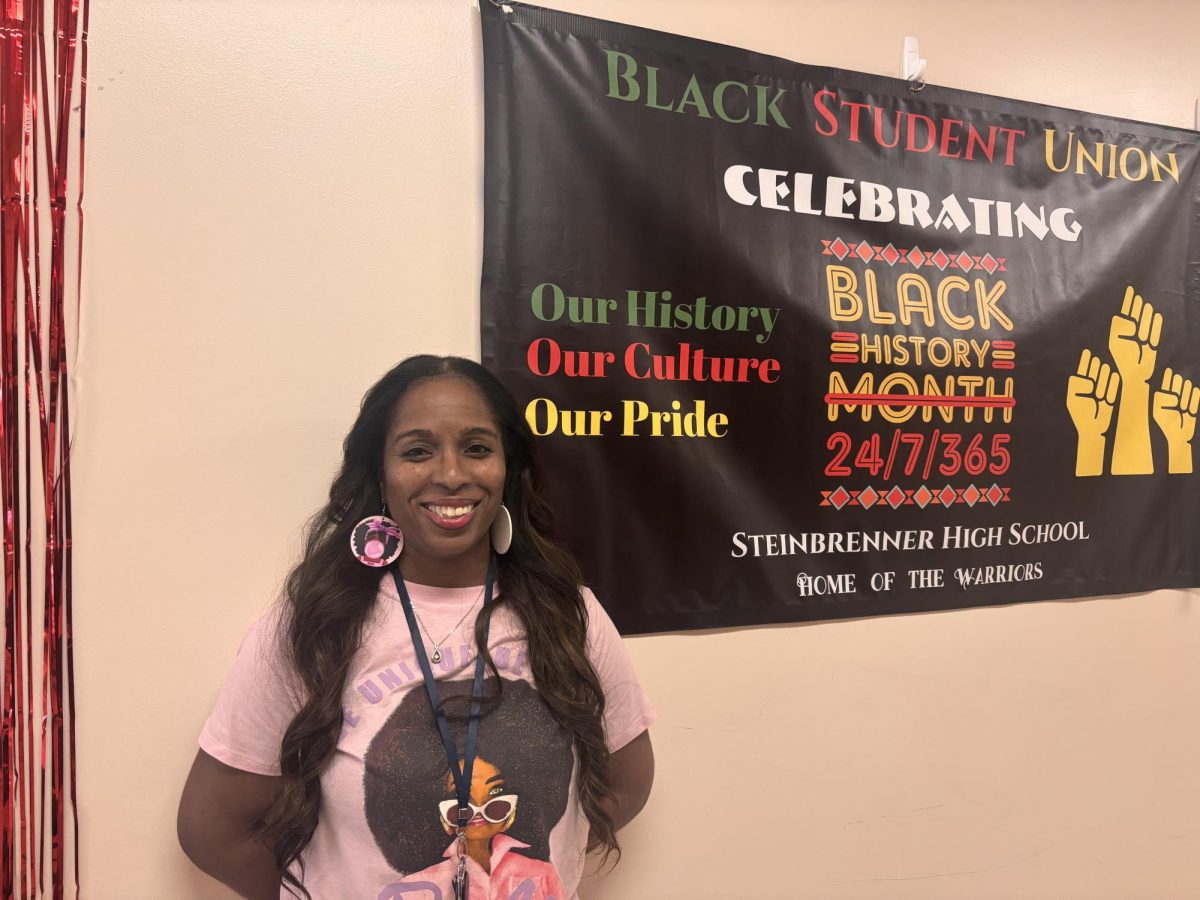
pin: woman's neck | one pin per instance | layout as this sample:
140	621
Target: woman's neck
481	852
467	570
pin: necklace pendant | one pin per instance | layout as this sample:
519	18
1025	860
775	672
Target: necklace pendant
437	653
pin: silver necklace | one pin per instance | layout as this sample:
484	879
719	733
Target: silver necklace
437	645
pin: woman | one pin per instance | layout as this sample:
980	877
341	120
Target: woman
307	781
512	871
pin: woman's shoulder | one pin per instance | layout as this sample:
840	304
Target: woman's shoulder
600	627
628	711
260	696
266	636
263	656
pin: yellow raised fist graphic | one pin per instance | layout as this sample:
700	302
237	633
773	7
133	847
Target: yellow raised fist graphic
1091	394
1175	407
1133	343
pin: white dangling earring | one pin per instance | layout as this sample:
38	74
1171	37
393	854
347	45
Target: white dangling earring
376	541
502	531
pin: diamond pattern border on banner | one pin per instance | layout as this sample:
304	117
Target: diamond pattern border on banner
894	496
916	257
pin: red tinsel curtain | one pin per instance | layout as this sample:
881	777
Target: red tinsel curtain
43	65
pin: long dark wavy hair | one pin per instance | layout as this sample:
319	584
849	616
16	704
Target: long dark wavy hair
329	596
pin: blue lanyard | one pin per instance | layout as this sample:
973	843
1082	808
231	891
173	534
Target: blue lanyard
462	780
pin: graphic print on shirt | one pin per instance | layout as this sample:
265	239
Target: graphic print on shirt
518	792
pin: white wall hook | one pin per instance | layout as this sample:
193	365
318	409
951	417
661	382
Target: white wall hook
911	63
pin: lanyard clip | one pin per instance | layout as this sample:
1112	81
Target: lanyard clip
460	877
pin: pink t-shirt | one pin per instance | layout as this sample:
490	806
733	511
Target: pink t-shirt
381	834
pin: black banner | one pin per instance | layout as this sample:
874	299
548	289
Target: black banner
802	343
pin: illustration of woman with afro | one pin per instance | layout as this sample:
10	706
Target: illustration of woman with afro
523	754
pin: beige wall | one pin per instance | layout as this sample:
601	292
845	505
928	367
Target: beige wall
284	198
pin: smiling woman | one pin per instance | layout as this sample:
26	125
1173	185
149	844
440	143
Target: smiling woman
308	781
443	481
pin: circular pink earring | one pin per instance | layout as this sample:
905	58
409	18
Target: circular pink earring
376	541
